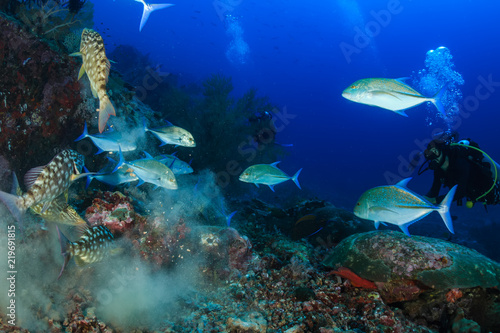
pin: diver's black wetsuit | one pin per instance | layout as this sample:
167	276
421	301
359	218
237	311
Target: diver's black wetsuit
473	178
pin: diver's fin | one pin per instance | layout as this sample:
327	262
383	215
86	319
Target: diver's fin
64	250
295	178
106	110
444	209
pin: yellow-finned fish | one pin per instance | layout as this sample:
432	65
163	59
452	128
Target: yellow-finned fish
46	183
400	206
390	94
96	65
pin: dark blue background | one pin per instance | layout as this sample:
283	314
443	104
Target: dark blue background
296	59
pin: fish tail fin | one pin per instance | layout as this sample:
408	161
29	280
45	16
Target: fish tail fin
106	110
444	209
295	178
436	99
11	202
149	9
121	160
89	177
64	250
84	134
229	217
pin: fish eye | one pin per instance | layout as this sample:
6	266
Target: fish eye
353	87
358	204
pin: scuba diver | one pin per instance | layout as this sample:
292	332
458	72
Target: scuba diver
462	163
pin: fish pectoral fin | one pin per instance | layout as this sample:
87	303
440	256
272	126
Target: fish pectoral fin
378	209
79	261
94	93
76	54
116	251
46	206
81	72
385	93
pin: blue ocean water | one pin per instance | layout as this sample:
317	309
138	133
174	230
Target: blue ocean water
302	55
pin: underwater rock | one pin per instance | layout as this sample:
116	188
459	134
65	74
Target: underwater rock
113	210
421	271
387	256
252	323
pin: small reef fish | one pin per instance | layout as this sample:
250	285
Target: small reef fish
172	135
149	170
45	183
97	66
398	205
267	174
109	141
390	94
148	9
177	166
90	248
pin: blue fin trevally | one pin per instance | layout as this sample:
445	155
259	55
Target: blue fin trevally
172	135
178	166
109	141
148	9
396	204
267	174
390	94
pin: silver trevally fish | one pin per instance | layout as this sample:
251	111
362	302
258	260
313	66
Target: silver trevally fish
148	9
113	178
173	162
390	94
111	141
400	206
172	135
149	170
267	174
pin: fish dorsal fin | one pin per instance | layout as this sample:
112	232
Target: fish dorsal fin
148	156
32	175
275	164
404	182
403	79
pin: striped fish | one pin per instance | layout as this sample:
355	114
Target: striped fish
97	66
46	183
90	248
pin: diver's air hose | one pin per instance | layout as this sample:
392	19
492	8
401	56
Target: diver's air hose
492	162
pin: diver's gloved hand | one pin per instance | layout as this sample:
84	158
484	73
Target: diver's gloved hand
431	200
